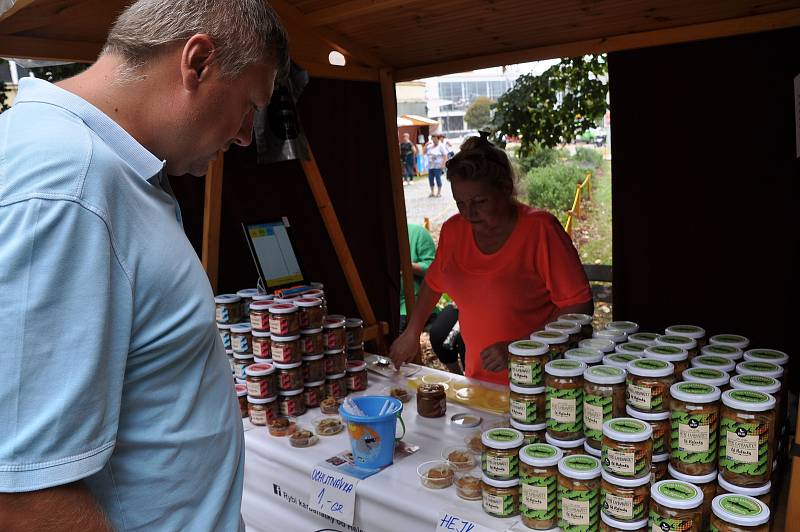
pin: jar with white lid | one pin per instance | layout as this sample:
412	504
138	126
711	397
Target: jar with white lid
627	447
500	456
240	363
715	362
356	376
290	376
527	405
591	357
241	339
660	423
241	395
659	468
309	312
311	341
225	334
619	360
335	361
625	499
556	342
631	348
609	524
526	361
724	351
336	386
603	399
684	342
500	498
584	320
765	369
588	449
334	335
627	327
228	308
313	368
262	410
707	484
261	381
698	334
675	506
568	447
695	422
262	343
578	492
678	356
733	340
747	436
570	328
286	349
564	398
739	513
530	433
761	383
710	376
763	493
354	332
259	315
313	393
603	345
646	338
355	352
611	334
773	356
648	383
538	485
284	319
292	403
247	295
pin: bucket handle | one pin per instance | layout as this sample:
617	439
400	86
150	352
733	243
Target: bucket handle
402	424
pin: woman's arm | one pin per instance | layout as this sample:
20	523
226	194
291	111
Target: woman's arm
405	348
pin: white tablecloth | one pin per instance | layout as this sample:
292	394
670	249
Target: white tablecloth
277	479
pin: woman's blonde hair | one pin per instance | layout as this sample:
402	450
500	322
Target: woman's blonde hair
480	160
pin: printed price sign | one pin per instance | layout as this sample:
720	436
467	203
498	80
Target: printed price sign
333	494
448	522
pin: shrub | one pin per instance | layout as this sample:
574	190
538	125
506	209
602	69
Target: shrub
540	157
553	187
588	157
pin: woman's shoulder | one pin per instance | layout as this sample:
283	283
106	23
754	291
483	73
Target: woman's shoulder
534	216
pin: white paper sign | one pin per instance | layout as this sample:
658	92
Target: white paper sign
447	522
333	494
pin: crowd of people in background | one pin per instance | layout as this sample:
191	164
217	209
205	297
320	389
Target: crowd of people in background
437	150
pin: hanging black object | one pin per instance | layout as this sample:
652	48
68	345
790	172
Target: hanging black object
278	134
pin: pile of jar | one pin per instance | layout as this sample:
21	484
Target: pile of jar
288	355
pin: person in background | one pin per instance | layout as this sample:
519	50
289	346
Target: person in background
423	250
437	160
117	408
510	268
407	153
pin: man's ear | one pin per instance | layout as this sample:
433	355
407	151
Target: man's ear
196	57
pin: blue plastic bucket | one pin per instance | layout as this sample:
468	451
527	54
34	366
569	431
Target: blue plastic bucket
372	437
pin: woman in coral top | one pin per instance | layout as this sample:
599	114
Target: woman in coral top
510	268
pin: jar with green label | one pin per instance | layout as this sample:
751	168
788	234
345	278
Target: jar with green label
738	513
603	345
715	362
678	356
527	405
660	423
628	327
710	376
564	398
773	356
706	483
733	340
631	348
611	334
500	497
648	383
698	334
774	371
570	328
627	447
603	399
625	499
579	492
763	493
646	338
619	360
499	459
556	342
591	357
659	468
569	447
609	524
695	419
675	506
584	320
538	475
530	433
687	344
724	351
526	360
747	430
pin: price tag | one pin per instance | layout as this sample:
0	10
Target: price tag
333	494
448	522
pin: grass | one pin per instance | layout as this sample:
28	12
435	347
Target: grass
592	233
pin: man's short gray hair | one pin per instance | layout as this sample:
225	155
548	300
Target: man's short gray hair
244	32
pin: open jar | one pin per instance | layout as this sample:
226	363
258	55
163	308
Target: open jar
431	400
603	399
578	492
591	357
648	383
556	342
660	423
309	312
570	328
538	476
584	320
707	484
684	342
500	456
564	391
747	430
527	405
679	357
526	361
737	513
627	447
675	506
625	499
228	308
695	420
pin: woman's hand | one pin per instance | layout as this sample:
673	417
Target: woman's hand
495	357
404	349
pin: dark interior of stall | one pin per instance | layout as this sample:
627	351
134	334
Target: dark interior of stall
705	183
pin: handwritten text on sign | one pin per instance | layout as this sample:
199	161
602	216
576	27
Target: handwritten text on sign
450	523
333	494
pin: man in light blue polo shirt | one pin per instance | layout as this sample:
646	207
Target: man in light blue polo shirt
116	401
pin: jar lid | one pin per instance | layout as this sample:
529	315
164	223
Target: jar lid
240	328
288	299
541	455
752	491
767	355
748	400
610	334
564	444
625	482
583	319
225	326
663	457
261	334
670	353
259	360
563	327
646	338
650	367
243	356
676	340
258	370
229	352
619	360
355	347
676	494
604	375
332	352
314	384
689	331
284	393
333	377
241	389
276	338
307	332
647	416
502	438
528	428
527	348
694	392
627	429
616	524
711	376
311	358
591	450
628	327
226	299
287	366
282	308
465	420
500	483
759	383
261	305
261	400
356	365
586	354
606	346
247	293
692	479
565	368
263	297
526	391
580	467
631	348
314	292
307	302
332	322
337	317
549	337
740	509
755	367
353	322
713	361
735	340
722	350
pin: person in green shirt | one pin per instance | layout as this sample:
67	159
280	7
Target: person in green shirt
423	250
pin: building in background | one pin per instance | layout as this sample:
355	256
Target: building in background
411	98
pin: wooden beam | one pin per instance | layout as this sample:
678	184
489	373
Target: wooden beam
352	9
722	28
212	217
18	6
36	48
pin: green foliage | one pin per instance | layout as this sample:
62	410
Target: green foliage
479	113
539	156
556	106
588	157
3	98
55	73
553	187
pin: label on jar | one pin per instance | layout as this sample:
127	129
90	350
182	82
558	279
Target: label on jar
282	353
596	411
660	434
564	409
258	417
257	389
279	325
498	505
259	321
226	339
238	370
576	512
286	380
538	497
222	314
639	396
523	411
291	406
312	397
499	466
741	450
529	374
693	440
260	349
619	507
618	462
668	524
240	343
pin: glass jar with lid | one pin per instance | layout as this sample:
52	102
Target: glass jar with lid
609	524
336	386
627	447
675	506
747	435
290	376
259	315
356	376
648	383
773	356
225	334
631	348
739	513
591	357
733	340
724	351
262	344
603	399
578	492
695	421
313	392
313	368
355	352
335	361
767	369
500	497
556	342
625	499
261	380
538	482
679	357
763	493
526	361
684	342
431	400
627	327
584	320
660	423
285	349
240	363
646	338
334	335
619	360
309	312
241	395
710	376
262	410
698	334
283	320
569	447
764	384
247	298
292	403
659	468
527	405
714	362
612	335
570	328
311	342
603	345
354	332
564	398
500	456
530	433
707	484
228	308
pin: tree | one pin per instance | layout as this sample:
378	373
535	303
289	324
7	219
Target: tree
553	108
479	113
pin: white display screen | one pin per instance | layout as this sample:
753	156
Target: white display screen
275	254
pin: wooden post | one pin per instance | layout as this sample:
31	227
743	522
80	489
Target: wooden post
792	505
212	210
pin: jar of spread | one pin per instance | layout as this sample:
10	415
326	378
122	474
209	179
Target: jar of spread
261	297
526	360
335	361
627	327
284	320
695	421
354	332
290	376
431	400
262	344
763	384
609	524
530	433
556	342
724	351
500	497
631	348
591	357
765	369
259	315
732	340
262	410
564	399
240	363
309	312
292	403
648	383
355	352
625	499
660	423
698	334
737	513
584	320
500	456
627	447
313	368
286	349
241	339
225	334
600	344
334	333
228	308
773	356
311	341
762	493
659	468
356	376
684	342
612	335
645	338
710	376
619	360
707	484
319	294
241	395
675	506
570	328
527	405
747	430
578	492
714	362
538	475
336	386
587	449
603	399
679	357
247	298
312	393
568	447
261	380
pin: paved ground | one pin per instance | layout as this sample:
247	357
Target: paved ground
419	206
